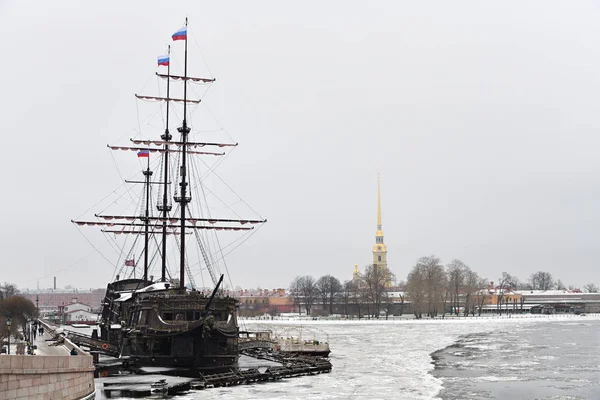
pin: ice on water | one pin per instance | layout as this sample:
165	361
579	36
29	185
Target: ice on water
392	359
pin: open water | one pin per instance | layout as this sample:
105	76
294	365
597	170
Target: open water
555	357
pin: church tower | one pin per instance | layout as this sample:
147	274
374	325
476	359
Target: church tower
379	250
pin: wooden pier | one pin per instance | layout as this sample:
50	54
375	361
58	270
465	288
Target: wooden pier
286	367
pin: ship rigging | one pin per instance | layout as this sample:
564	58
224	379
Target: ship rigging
168	322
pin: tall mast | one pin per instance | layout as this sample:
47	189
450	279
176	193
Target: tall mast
165	207
184	130
147	174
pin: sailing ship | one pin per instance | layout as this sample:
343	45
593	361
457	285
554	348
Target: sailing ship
168	321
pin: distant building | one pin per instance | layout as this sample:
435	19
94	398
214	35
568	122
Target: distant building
76	307
379	250
264	301
79	316
50	299
560	301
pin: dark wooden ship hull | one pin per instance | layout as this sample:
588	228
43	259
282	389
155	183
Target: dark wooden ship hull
167	327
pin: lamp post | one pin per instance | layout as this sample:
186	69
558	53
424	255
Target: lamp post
8	324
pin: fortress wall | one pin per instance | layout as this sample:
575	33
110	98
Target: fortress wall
46	377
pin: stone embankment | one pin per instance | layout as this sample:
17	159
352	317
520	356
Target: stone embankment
52	374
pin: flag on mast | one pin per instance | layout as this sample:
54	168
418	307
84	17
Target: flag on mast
181	34
143	153
163	60
130	263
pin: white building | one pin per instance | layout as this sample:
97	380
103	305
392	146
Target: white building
80	316
76	307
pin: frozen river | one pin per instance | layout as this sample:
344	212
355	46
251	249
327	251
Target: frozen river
488	358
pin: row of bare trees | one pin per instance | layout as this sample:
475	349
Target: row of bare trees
306	291
543	280
432	288
366	293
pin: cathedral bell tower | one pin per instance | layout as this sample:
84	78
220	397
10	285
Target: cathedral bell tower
379	250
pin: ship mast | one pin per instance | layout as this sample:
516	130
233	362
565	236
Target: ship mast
147	173
165	208
126	224
184	130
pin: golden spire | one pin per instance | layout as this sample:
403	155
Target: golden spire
378	205
379	234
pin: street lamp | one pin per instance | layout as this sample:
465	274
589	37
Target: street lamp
8	323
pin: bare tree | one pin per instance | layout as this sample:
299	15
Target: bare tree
309	292
375	279
8	290
346	295
415	290
541	281
436	283
424	286
560	285
19	309
402	298
471	287
328	288
456	270
590	288
482	294
386	303
322	286
503	285
296	293
511	281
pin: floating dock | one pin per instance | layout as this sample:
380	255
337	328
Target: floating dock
280	366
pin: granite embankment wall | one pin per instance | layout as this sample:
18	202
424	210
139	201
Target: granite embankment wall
52	377
46	377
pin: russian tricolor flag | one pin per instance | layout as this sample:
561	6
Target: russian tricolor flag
163	60
144	153
181	34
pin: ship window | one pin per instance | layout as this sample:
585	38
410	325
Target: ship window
196	315
189	315
168	316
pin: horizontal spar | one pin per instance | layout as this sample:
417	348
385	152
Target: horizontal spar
188	144
161	151
175	220
185	78
218	228
142	232
156	98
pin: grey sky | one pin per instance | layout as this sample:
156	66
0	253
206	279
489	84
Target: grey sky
481	118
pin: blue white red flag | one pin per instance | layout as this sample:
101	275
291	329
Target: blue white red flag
144	153
163	60
181	34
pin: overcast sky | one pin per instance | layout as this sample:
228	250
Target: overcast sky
481	118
